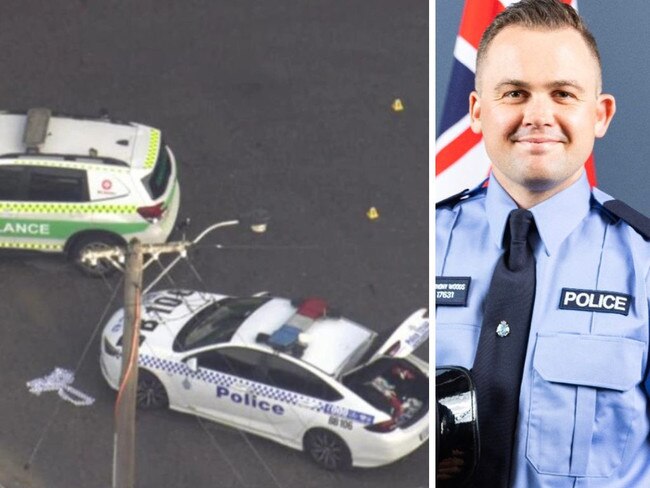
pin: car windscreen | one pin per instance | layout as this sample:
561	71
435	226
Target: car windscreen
216	323
156	182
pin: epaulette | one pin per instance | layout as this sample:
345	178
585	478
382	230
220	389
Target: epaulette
618	210
463	195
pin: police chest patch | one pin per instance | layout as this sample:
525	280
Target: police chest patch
452	290
595	301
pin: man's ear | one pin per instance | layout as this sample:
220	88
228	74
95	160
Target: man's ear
605	110
475	112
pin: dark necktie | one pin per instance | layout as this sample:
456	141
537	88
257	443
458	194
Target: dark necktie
499	363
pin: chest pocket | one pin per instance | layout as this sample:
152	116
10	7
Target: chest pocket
583	403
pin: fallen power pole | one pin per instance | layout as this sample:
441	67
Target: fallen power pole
125	405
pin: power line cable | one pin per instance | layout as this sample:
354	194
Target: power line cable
57	407
221	450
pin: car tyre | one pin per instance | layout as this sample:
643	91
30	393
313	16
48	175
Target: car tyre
93	242
151	394
327	449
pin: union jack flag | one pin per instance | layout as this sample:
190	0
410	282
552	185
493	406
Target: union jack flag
461	160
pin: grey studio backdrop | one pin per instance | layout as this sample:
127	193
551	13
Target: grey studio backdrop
621	30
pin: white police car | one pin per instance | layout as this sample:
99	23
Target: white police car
287	371
68	184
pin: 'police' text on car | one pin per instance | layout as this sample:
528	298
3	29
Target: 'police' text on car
288	371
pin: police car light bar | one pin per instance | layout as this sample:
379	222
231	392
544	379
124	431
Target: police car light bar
285	337
292	335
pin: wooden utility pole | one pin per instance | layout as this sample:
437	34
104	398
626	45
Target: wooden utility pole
125	405
124	437
124	440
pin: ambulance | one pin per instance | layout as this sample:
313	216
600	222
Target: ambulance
70	184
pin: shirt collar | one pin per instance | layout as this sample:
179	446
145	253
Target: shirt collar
555	218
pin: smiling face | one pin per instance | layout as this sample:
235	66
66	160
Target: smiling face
539	108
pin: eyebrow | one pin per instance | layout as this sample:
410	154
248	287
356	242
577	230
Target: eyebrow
554	84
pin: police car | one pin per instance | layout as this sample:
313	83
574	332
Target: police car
292	372
68	184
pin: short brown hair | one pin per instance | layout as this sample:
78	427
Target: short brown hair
541	15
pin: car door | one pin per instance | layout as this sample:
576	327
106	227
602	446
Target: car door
222	385
55	203
12	192
300	393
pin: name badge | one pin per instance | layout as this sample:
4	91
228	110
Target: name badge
452	290
595	301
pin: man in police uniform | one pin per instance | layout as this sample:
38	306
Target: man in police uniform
583	409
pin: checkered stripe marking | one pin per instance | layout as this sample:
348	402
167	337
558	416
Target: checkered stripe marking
276	394
214	377
152	151
258	389
70	164
221	379
63	208
29	245
164	365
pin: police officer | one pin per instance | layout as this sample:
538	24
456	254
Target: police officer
582	416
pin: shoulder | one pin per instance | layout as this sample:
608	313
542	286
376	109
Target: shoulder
466	208
618	211
461	197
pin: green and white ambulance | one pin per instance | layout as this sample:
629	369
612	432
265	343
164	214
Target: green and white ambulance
68	184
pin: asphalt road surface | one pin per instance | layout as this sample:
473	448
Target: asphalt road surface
283	105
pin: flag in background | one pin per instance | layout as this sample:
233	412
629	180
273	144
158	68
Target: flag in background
461	160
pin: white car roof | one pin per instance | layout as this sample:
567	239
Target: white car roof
330	341
76	136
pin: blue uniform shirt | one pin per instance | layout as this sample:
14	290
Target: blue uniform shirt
583	408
